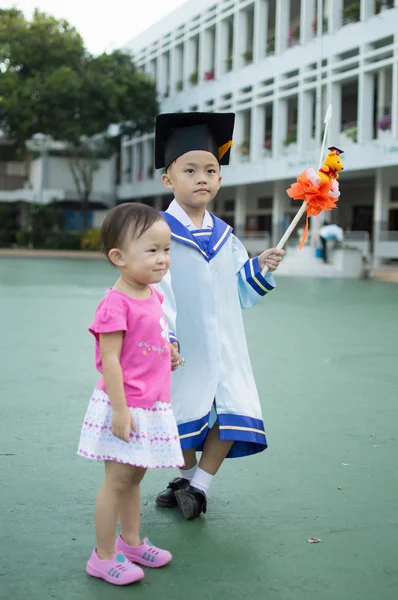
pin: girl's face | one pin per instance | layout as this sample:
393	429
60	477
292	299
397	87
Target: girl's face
145	260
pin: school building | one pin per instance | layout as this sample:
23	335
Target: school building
278	64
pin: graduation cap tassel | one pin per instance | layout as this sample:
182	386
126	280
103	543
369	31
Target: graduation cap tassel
224	149
319	190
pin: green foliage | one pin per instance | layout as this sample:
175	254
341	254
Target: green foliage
23	238
51	85
7	225
91	240
63	240
45	231
194	78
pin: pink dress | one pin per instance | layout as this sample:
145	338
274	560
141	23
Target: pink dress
146	366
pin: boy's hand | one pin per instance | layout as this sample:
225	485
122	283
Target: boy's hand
122	422
175	357
270	258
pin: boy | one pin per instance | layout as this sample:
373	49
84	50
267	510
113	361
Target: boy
210	281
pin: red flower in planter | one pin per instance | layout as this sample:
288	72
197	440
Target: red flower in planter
209	75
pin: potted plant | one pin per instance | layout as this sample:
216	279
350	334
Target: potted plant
244	148
229	63
352	13
248	56
294	35
350	133
291	137
209	75
383	5
267	146
324	24
385	123
384	127
271	45
193	78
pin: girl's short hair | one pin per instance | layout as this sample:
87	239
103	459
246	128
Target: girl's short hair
128	220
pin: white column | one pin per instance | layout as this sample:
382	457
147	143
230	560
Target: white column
280	201
206	51
335	123
279	126
335	9
282	25
179	67
257	132
240	210
161	74
304	124
221	54
189	61
238	136
173	75
236	62
260	29
123	159
240	38
381	93
43	164
380	214
368	9
394	105
307	16
146	162
135	162
365	107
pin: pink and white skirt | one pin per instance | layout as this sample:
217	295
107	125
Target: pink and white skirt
155	444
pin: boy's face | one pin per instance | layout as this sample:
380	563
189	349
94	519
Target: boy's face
195	178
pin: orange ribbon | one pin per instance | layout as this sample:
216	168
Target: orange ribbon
222	150
316	196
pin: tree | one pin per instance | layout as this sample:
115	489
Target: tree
51	85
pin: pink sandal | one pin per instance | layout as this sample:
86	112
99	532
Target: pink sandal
118	571
146	554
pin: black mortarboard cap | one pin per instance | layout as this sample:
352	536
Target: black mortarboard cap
179	133
337	150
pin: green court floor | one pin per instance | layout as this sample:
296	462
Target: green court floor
325	354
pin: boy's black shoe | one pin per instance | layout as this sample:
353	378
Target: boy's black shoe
192	502
167	498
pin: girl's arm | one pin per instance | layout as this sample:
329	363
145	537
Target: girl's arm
110	349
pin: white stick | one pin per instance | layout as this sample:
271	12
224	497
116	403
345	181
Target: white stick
303	208
328	116
288	232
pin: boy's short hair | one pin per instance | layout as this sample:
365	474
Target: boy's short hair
128	220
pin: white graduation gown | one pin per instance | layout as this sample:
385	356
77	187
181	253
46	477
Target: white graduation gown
210	280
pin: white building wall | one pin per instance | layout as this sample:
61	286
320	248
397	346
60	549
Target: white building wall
278	73
50	178
58	175
308	75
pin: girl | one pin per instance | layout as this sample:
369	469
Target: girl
129	423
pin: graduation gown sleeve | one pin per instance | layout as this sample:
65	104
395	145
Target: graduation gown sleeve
251	284
169	305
